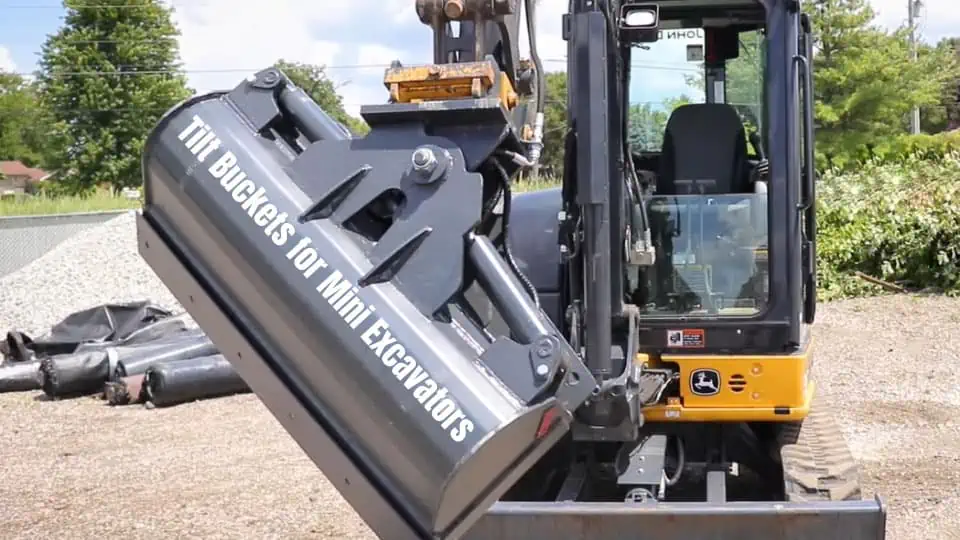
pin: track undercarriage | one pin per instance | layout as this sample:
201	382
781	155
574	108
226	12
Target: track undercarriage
806	461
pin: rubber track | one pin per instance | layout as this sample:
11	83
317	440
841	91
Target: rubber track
817	462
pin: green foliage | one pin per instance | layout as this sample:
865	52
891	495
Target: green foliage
899	223
555	123
865	83
895	150
907	148
22	121
647	124
744	77
107	76
645	127
313	80
945	114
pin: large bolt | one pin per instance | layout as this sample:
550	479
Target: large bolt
424	161
453	9
545	348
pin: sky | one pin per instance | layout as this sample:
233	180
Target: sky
221	42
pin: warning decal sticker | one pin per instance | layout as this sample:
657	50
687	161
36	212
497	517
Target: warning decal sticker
692	338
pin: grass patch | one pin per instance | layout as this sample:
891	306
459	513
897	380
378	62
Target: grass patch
544	182
44	205
104	201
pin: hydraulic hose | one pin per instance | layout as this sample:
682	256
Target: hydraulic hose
507	253
530	6
681	463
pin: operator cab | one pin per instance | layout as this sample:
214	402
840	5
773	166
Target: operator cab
697	101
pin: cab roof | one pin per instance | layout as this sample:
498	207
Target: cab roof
714	13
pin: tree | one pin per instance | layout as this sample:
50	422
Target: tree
866	83
744	80
744	76
646	125
23	121
313	80
554	123
107	76
945	114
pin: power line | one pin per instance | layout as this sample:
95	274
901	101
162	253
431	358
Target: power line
144	72
83	110
136	72
19	110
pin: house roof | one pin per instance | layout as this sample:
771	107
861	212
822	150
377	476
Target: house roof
16	168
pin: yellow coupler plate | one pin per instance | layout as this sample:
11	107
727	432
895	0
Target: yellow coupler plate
436	82
719	388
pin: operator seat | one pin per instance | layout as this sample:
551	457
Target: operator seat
704	142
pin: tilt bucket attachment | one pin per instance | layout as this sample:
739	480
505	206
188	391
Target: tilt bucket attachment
332	272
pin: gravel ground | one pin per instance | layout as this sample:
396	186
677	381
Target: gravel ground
225	468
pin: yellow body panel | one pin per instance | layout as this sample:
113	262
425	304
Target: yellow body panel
448	81
752	388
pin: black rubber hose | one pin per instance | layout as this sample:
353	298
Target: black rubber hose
135	360
80	373
507	253
20	377
160	330
171	383
535	55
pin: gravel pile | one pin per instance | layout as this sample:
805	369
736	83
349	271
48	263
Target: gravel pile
98	265
77	468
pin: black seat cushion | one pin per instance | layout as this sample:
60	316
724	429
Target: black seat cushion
704	151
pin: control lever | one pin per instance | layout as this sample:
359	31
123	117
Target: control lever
763	167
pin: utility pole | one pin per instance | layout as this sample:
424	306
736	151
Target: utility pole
913	11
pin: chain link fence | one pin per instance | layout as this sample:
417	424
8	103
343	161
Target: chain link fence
24	239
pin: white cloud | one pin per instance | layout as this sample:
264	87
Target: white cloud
550	43
6	60
222	41
938	18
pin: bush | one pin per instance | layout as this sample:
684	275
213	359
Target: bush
924	147
894	151
899	223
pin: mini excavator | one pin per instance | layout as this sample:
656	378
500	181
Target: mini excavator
627	355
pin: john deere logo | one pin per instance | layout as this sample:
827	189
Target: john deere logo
705	382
